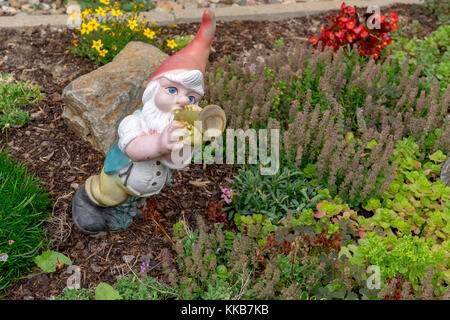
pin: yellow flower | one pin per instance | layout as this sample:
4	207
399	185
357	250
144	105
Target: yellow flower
100	11
154	23
116	13
73	16
171	44
173	25
132	24
94	24
105	2
97	44
85	28
114	47
103	52
149	33
75	43
105	28
65	66
84	13
141	5
143	21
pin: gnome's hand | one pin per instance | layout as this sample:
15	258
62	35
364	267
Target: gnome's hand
170	137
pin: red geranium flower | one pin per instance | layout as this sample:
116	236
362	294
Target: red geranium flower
346	27
394	17
313	40
358	29
364	34
351	11
340	34
351	23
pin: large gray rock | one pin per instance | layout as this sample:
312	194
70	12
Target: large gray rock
96	102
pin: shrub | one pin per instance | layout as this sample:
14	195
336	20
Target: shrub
22	216
13	95
346	30
337	116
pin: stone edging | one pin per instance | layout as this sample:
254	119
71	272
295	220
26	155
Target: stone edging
270	12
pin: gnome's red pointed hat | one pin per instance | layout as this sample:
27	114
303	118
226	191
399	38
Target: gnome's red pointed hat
195	55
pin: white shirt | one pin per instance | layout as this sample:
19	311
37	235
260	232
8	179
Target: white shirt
145	178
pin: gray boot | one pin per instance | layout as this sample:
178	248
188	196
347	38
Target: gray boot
86	215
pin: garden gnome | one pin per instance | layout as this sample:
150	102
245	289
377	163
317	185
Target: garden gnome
139	164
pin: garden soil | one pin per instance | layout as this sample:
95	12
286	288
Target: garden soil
63	161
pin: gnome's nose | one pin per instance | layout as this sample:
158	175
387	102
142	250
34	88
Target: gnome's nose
182	100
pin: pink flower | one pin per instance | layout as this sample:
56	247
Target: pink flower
252	68
227	195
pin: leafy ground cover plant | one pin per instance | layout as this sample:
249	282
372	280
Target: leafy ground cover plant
106	30
431	55
408	256
23	212
369	35
416	202
13	95
272	195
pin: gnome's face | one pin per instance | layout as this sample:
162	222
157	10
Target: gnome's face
170	92
172	96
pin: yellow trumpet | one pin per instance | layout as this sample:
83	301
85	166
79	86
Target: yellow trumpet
209	122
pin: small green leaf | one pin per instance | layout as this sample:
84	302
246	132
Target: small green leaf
438	157
310	171
349	137
372	144
105	292
48	260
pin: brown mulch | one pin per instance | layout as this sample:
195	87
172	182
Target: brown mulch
63	161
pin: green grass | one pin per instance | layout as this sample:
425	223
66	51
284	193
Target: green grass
24	207
13	95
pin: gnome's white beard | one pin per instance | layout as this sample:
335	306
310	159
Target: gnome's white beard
154	118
